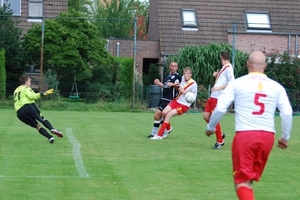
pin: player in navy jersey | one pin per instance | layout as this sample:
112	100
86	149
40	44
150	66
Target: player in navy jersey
256	98
179	105
169	85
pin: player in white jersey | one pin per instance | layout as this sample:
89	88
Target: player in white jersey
223	77
179	105
255	98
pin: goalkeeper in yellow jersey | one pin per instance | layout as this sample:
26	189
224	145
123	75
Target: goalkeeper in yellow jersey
28	112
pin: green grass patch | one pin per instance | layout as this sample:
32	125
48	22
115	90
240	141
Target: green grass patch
67	104
122	164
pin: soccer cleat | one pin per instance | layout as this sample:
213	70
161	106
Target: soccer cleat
218	145
150	136
223	135
157	137
57	133
167	132
51	140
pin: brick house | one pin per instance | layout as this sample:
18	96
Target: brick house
259	24
33	11
248	25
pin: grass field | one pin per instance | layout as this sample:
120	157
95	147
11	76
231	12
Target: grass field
106	155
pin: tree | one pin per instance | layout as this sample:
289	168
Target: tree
10	39
83	6
116	18
2	75
71	43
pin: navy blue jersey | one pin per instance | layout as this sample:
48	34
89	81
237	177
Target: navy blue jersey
169	93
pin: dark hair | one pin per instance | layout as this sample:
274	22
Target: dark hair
225	55
23	79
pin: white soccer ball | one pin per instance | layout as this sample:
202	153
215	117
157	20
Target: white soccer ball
190	97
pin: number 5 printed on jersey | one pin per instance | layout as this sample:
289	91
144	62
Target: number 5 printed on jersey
259	104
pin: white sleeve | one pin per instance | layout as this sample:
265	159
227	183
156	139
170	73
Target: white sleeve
286	115
224	101
230	75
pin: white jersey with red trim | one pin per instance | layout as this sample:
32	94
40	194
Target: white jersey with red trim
225	76
189	86
256	98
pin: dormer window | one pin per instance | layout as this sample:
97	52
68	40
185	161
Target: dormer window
258	21
189	19
14	5
35	10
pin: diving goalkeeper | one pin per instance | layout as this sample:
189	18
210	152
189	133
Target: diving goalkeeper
28	112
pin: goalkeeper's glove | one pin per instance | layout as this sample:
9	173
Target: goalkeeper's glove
48	92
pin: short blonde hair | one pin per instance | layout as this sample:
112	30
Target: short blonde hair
188	69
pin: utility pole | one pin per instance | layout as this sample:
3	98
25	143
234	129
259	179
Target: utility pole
42	60
134	61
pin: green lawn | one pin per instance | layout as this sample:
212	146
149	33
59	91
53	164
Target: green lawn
106	155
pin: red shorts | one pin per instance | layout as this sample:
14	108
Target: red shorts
250	152
179	107
210	105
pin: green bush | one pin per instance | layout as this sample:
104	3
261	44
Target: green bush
153	74
202	96
204	60
126	76
285	69
97	91
2	75
51	80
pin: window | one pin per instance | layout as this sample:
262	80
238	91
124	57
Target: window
14	5
189	19
35	10
258	21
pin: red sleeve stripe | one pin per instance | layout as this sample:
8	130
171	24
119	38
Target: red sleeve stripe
191	82
221	72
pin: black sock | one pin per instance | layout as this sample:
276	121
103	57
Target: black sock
43	132
156	125
47	124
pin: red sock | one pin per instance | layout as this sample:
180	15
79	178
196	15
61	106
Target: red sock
245	193
162	128
219	133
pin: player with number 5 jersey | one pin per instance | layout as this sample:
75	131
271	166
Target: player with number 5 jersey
255	98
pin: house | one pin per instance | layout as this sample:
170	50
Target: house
248	25
33	11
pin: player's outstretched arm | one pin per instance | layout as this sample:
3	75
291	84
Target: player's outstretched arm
48	92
